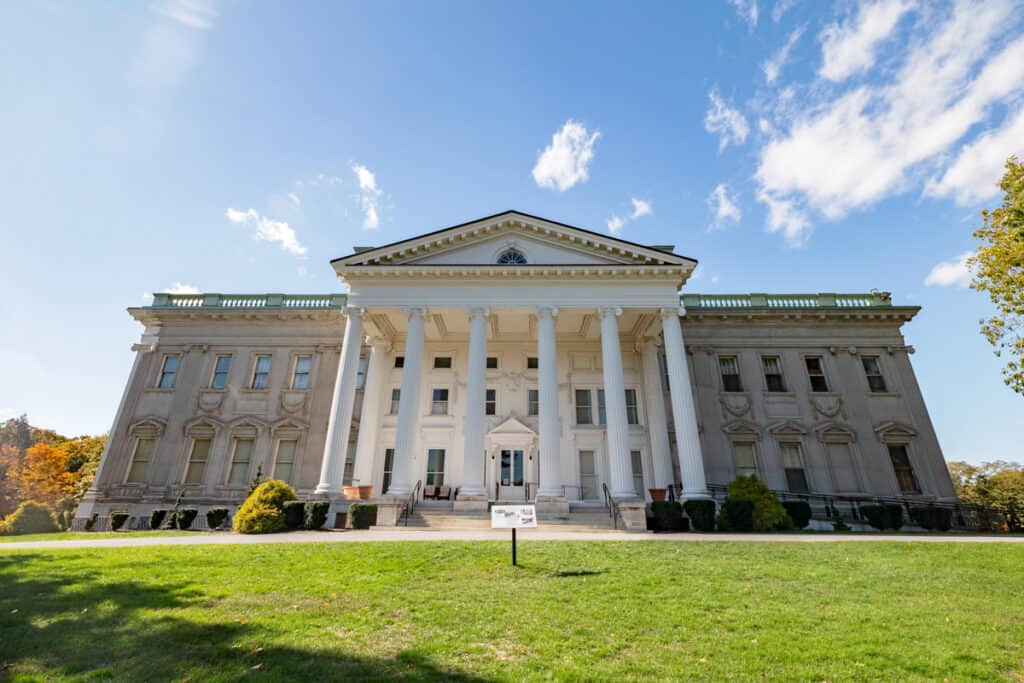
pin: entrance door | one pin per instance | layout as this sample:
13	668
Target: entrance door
588	476
510	474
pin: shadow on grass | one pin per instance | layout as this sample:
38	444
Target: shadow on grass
97	629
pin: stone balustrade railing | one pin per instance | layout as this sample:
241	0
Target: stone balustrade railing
821	300
208	301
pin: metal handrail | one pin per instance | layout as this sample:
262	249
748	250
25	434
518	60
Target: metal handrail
410	502
611	504
526	489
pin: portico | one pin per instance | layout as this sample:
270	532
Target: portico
514	357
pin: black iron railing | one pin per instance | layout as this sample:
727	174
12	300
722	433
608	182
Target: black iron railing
410	502
612	505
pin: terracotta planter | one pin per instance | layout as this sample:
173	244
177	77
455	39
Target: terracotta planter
657	494
358	492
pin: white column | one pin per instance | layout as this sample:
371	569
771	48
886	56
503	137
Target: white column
476	387
408	405
550	484
619	464
684	412
369	420
657	423
340	424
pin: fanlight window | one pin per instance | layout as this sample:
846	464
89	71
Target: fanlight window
512	257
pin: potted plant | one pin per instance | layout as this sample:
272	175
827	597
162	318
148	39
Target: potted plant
657	495
358	492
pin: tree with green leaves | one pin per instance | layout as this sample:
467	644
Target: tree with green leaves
998	269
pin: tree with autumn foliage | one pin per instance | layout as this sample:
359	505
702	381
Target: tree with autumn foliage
998	269
995	485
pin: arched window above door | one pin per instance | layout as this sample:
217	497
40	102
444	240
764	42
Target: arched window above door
512	257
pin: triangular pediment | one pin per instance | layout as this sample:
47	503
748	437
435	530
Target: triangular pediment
511	427
539	241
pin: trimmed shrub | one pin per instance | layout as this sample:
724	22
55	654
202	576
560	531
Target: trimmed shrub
215	517
883	517
362	515
932	518
666	515
737	514
315	514
183	518
91	522
701	514
31	518
263	511
117	520
799	511
294	514
156	519
769	515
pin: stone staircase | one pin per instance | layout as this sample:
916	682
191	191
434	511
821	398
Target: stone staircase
438	518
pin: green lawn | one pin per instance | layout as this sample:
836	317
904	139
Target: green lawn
572	611
90	535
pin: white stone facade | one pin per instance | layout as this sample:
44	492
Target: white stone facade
515	358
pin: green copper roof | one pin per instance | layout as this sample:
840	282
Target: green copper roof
236	301
824	300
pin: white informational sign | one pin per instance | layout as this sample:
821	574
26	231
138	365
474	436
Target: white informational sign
513	517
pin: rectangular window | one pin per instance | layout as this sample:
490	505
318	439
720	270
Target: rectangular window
743	459
220	372
300	377
396	395
816	374
602	412
168	371
284	461
492	362
730	369
532	402
874	374
261	373
531	363
439	402
632	413
399	361
140	460
442	362
584	409
772	367
435	467
238	475
638	472
904	470
389	468
197	461
491	402
796	478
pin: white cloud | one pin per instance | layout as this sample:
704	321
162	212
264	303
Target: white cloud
781	7
837	153
294	199
641	207
615	224
565	161
191	13
369	196
773	67
975	174
723	205
728	123
268	230
747	11
176	288
851	47
171	45
954	272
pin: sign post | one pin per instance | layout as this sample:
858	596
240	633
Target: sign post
513	517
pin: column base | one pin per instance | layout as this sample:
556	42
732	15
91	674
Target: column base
327	490
633	516
695	495
389	511
551	504
471	503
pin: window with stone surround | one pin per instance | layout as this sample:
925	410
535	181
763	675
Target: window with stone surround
284	460
168	372
435	467
584	407
744	459
905	477
730	369
491	402
399	361
396	396
141	456
492	362
300	373
442	362
241	456
532	402
816	374
439	402
221	366
772	367
199	453
261	373
873	371
532	363
389	467
793	464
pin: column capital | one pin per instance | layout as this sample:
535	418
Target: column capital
546	311
668	311
609	311
378	342
645	343
354	311
479	312
416	311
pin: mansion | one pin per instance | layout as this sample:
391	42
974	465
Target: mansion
515	358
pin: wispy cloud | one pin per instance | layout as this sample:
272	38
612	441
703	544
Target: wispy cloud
268	230
171	45
191	13
850	47
728	123
781	7
747	11
949	273
723	206
641	207
565	162
773	67
176	288
369	196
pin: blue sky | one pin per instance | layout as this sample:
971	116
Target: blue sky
790	146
